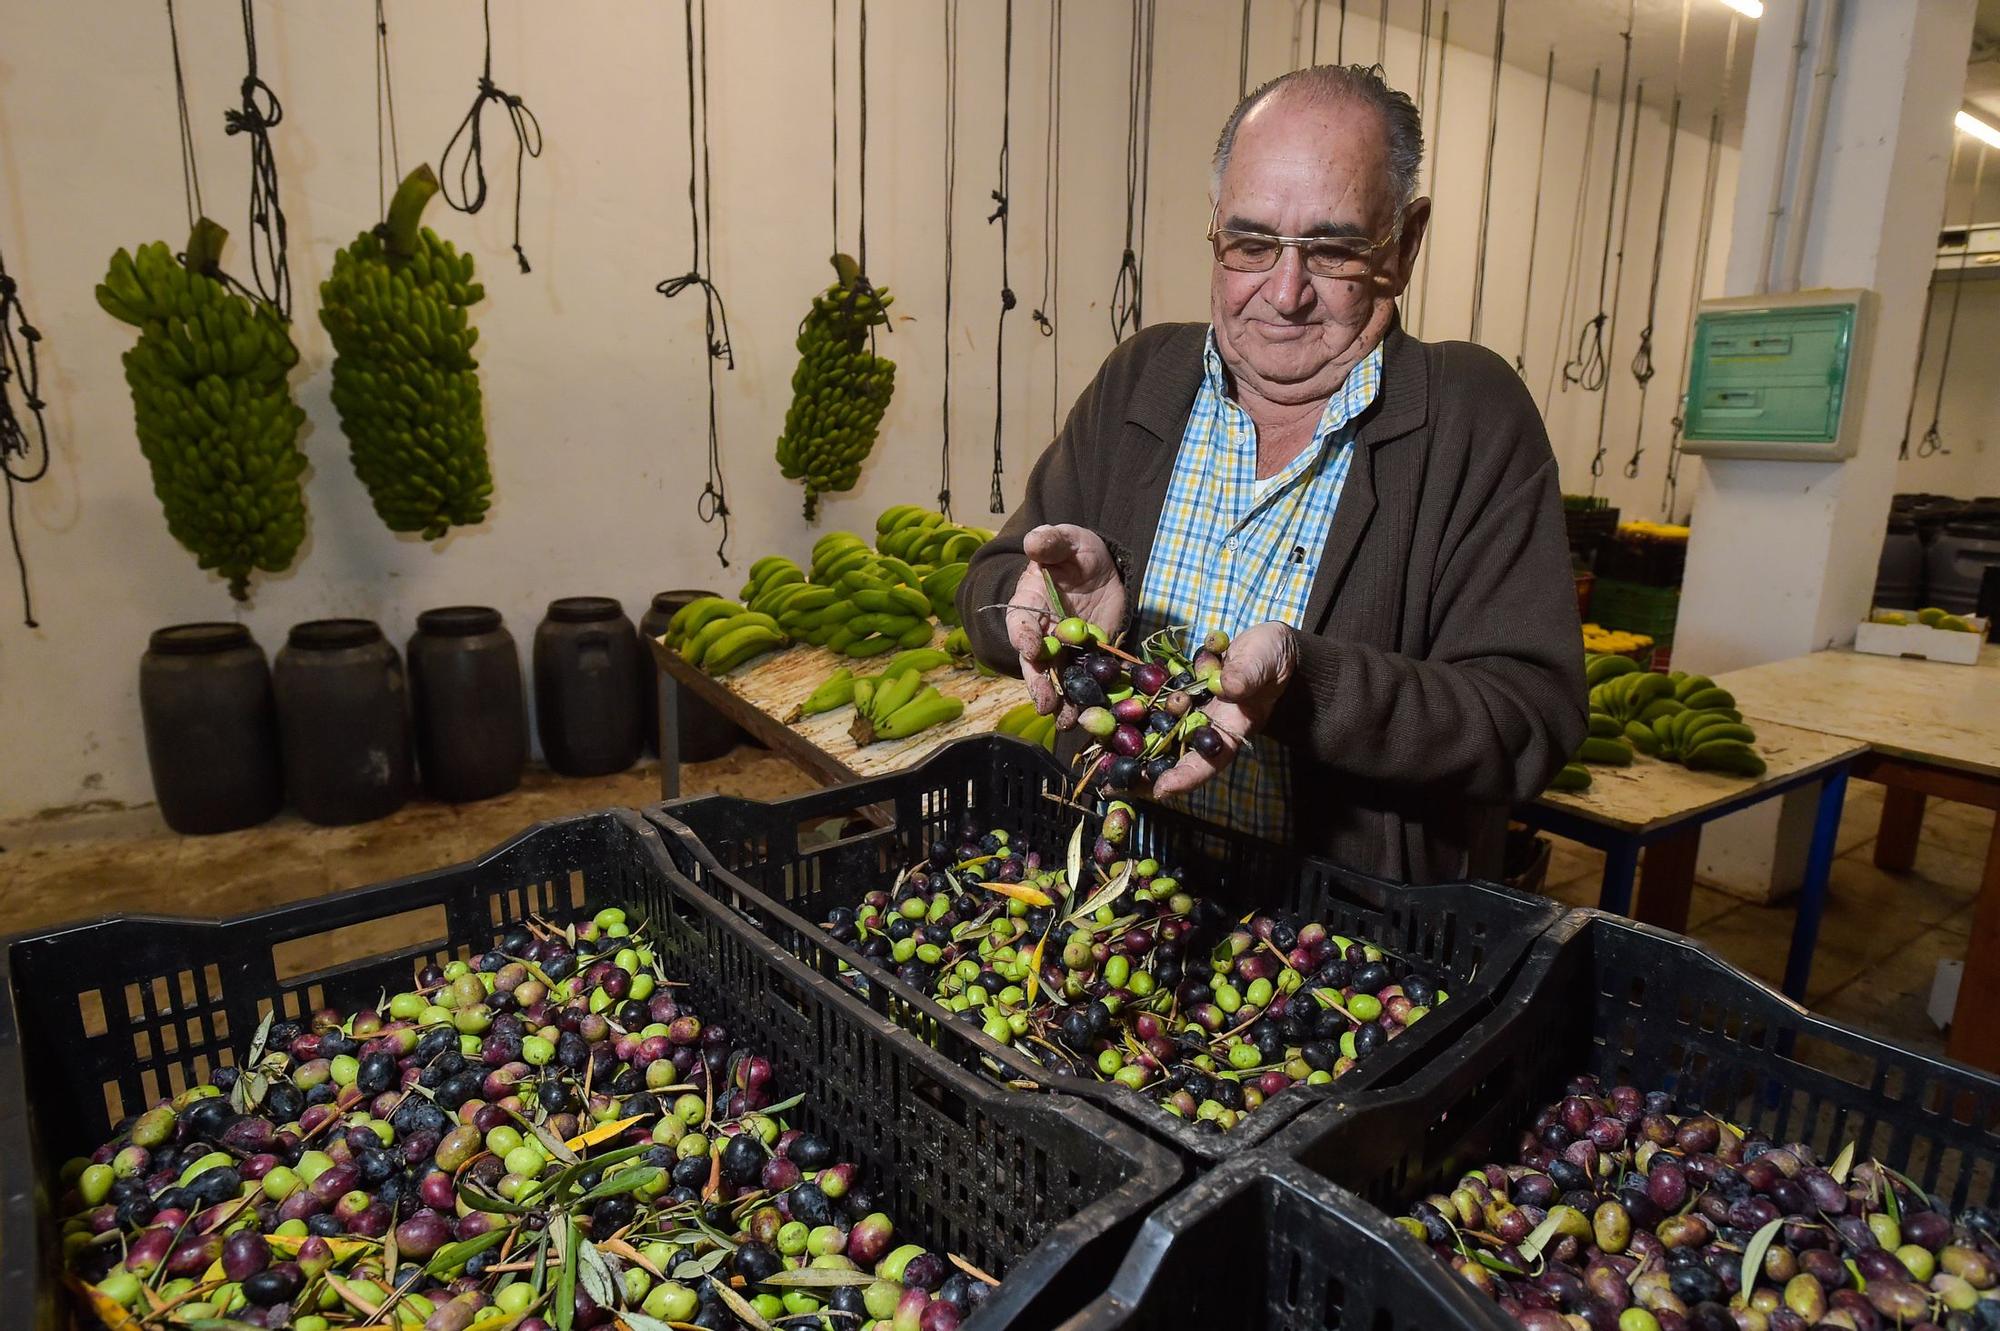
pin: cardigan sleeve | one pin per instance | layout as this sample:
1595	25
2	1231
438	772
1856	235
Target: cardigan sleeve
1496	705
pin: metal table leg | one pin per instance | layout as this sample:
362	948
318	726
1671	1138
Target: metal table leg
1812	897
1621	862
670	735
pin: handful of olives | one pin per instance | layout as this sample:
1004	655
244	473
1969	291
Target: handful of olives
545	1136
1127	976
1142	712
1623	1215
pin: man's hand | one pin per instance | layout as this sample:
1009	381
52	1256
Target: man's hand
1255	671
1086	575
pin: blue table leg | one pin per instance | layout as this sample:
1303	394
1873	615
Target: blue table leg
1812	898
1621	863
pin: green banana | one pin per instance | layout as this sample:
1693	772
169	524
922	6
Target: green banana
404	379
1605	727
863	693
1709	699
923	660
1731	756
1016	719
696	615
1598	668
1609	752
1572	777
892	692
1642	737
930	708
1658	708
211	407
1686	684
839	389
698	648
739	645
836	690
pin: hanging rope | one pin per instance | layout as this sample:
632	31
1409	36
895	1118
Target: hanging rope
259	114
712	505
950	226
997	502
1535	217
1617	280
1382	35
1932	443
1045	310
1642	359
833	115
24	453
861	148
471	173
1243	55
388	157
190	175
1670	489
1437	146
1127	292
1486	182
1567	312
1315	48
1340	37
1588	369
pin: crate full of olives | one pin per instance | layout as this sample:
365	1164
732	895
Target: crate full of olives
594	1100
1206	984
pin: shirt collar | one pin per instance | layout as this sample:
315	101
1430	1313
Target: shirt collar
1354	396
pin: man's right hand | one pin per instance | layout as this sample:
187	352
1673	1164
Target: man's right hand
1086	576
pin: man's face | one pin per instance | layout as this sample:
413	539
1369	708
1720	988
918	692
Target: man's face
1306	168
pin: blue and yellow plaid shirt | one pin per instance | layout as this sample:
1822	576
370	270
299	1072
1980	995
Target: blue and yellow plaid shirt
1233	551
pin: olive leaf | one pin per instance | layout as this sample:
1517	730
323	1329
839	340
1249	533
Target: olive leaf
483	1201
596	1275
745	1312
1075	860
1054	594
1035	968
641	1322
1104	895
1890	1202
454	1255
1531	1247
813	1277
564	1308
625	1180
1494	1263
1842	1163
1907	1182
793	1103
1753	1258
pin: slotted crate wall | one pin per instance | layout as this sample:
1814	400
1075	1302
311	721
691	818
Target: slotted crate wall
1641	1006
1261	1244
773	864
1046	1191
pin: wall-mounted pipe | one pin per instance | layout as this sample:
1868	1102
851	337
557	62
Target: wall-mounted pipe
1777	204
1826	67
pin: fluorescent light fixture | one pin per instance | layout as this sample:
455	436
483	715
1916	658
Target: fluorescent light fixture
1977	128
1747	8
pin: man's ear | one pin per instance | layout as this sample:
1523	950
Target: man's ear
1416	221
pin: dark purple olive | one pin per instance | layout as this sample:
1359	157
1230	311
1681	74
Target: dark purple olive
1824	1267
1877	1264
1148	679
273	1285
1208	742
1825	1194
244	1254
1103	667
1667	1185
1926	1229
1698	1134
422	1233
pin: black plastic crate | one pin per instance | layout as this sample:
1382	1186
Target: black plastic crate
1261	1244
97	1020
1471	936
1635	1004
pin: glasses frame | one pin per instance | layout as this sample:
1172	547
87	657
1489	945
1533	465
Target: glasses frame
1299	243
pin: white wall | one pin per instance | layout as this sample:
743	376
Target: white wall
594	383
1968	463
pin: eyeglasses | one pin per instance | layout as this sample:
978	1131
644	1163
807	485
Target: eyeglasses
1325	256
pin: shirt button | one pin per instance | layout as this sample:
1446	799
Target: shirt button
1229	543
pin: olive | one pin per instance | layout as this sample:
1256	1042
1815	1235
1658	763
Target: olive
611	1215
1697	1284
273	1285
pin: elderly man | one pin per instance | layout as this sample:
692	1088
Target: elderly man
1375	520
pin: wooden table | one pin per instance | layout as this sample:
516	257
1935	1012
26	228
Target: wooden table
1931	729
1660	807
757	694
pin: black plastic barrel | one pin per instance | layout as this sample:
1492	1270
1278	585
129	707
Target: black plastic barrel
1958	560
343	717
211	728
587	678
471	710
1899	573
704	732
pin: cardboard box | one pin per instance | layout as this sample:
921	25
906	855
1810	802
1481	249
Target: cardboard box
1926	644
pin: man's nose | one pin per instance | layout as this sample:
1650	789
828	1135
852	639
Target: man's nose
1289	288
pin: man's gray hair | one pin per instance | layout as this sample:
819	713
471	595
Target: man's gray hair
1326	83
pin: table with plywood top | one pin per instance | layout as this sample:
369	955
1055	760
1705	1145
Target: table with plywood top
1659	808
1930	729
759	694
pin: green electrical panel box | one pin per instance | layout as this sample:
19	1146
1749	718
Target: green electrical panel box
1777	376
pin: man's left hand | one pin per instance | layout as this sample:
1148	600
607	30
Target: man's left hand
1255	672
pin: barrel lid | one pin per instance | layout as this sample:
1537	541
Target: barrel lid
195	639
331	634
584	609
458	621
667	602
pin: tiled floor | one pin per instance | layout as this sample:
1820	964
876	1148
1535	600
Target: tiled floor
1883	933
1882	938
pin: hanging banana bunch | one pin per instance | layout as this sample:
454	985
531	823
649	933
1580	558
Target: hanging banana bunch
840	388
404	380
215	416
